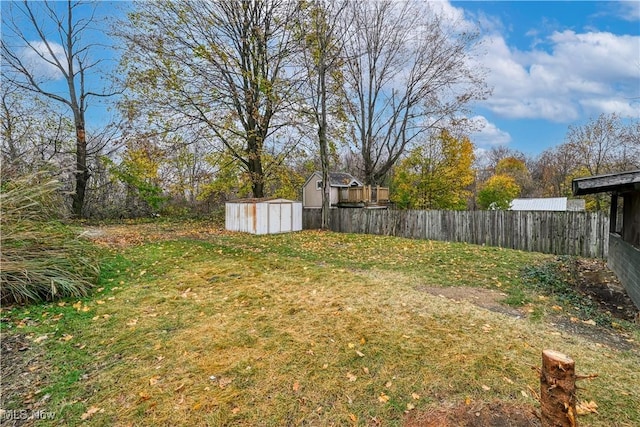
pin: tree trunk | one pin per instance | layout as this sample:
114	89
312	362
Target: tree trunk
557	390
81	172
254	154
324	150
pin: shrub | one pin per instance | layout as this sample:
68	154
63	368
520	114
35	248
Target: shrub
41	257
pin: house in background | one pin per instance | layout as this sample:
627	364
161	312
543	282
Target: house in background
345	191
624	238
557	204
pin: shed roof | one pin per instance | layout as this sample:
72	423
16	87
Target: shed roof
262	200
620	182
540	204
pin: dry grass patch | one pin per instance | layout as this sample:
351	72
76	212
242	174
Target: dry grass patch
305	329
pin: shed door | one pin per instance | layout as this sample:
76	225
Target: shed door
274	218
285	217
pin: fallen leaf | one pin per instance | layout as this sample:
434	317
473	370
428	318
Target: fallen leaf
66	337
365	370
144	396
40	339
363	341
351	345
583	408
359	353
235	410
296	386
410	406
524	393
132	322
99	302
383	398
415	396
143	272
388	384
486	387
90	412
223	382
353	418
509	380
589	322
351	377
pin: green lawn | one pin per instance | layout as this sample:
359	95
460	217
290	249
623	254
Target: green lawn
195	326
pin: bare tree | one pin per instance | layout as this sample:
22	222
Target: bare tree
220	65
60	45
408	70
323	38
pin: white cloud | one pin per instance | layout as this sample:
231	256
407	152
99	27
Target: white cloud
609	106
488	134
629	10
33	58
581	73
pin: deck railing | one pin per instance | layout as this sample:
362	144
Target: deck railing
367	194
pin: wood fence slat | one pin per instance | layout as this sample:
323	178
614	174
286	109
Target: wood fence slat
561	233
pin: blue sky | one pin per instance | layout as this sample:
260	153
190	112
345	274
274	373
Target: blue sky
550	64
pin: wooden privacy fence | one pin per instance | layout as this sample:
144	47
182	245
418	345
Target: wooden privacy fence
562	233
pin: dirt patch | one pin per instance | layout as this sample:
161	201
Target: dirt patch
490	299
599	284
485	298
495	414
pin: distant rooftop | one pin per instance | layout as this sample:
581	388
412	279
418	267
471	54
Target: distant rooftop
558	204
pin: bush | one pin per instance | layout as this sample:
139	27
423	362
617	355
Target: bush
41	257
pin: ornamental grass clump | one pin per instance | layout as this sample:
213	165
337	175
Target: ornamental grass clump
41	258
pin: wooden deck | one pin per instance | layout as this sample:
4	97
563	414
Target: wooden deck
364	196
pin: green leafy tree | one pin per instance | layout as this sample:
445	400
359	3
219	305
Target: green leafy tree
498	192
435	175
139	172
517	169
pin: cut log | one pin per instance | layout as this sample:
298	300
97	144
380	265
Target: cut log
557	390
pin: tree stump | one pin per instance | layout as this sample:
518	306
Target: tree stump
557	390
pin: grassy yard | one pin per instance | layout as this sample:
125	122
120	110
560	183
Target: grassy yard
195	326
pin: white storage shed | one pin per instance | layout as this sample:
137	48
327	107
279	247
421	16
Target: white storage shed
263	216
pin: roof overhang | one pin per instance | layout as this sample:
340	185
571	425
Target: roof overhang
616	182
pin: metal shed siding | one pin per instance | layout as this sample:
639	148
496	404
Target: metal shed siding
263	217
